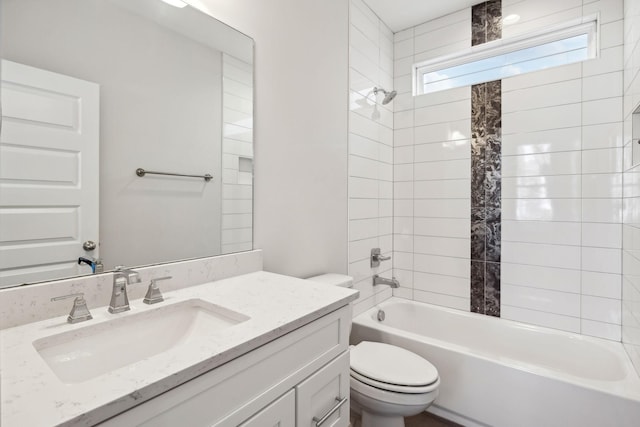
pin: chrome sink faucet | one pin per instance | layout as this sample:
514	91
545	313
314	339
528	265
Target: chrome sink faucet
122	277
79	311
393	282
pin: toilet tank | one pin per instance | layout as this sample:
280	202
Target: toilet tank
334	279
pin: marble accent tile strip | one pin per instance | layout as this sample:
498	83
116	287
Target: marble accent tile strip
478	24
486	22
486	171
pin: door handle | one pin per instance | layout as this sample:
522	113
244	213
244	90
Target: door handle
89	245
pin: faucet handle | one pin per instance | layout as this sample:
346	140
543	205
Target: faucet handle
153	292
376	257
154	281
131	275
79	311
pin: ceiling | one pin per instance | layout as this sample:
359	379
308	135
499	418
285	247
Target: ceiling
402	14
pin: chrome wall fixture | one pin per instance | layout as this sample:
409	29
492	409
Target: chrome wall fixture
379	280
377	257
79	311
141	172
388	95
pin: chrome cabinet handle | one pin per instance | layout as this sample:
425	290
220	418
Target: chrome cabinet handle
325	417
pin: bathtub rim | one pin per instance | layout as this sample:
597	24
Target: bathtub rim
626	388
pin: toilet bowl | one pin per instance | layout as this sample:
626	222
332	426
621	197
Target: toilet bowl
387	382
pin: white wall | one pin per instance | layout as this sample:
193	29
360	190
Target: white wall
370	152
301	86
562	164
631	190
432	171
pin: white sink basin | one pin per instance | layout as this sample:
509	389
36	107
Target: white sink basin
82	354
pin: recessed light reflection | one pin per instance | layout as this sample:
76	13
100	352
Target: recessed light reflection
457	135
510	19
175	3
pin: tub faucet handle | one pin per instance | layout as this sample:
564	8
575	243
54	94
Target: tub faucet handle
376	257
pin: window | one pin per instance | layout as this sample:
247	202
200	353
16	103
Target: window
498	59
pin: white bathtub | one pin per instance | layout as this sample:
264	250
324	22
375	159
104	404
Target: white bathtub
497	372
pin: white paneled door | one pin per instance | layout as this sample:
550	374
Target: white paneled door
48	174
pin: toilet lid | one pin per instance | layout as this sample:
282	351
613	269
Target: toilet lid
392	365
360	382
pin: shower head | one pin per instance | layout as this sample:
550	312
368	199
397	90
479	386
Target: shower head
388	96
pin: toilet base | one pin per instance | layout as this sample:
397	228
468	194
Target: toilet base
377	420
378	413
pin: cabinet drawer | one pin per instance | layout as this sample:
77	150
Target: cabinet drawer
320	399
280	413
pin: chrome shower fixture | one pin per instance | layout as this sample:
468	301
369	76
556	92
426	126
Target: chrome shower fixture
388	96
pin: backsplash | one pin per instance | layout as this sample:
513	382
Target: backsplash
25	304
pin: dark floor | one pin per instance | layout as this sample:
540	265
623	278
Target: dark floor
424	419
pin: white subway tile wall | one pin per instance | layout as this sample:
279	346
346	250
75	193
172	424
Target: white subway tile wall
432	171
562	180
565	132
562	176
631	190
371	152
237	158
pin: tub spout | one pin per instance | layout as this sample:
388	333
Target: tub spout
393	282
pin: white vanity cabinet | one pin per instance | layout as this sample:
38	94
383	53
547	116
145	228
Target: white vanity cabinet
280	413
295	380
323	398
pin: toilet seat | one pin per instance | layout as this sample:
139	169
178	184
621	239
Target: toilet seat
392	368
390	397
395	388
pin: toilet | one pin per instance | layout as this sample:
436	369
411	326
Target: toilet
387	382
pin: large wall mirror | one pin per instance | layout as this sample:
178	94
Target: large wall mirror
93	92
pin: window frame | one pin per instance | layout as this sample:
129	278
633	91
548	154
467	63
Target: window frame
589	25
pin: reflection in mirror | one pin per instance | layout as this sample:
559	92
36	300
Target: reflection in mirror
93	90
635	137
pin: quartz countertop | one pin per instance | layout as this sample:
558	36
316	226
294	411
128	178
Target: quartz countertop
32	395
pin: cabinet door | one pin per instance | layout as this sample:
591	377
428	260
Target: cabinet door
280	413
323	399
